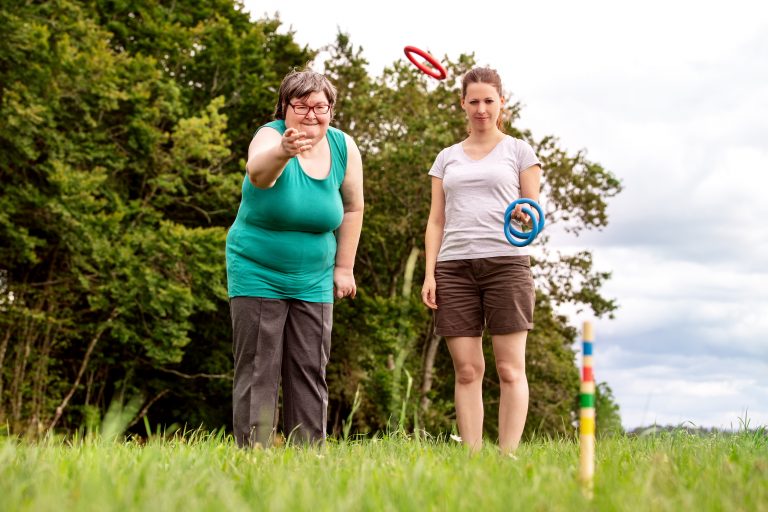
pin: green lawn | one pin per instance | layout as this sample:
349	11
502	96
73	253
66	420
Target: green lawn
676	472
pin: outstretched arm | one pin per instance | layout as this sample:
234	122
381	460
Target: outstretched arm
269	152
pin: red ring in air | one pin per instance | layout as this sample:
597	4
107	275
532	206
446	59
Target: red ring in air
438	72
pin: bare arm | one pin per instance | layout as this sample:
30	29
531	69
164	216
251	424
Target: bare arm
269	152
348	234
433	238
530	185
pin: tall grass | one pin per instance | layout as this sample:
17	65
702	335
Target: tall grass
199	471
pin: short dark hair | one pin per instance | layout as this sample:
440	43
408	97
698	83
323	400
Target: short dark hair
300	84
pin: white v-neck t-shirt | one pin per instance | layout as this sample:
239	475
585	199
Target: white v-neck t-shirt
477	193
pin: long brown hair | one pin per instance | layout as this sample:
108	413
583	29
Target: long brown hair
484	75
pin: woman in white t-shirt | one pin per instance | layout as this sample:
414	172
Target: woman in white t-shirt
475	279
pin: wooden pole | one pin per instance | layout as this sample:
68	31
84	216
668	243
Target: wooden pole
587	413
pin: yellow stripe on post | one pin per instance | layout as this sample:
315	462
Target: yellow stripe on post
587	425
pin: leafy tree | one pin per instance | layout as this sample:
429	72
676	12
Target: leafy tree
118	181
607	416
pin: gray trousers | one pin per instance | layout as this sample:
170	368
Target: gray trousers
274	339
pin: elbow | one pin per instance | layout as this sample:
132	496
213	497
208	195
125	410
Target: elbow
260	186
355	207
436	223
253	177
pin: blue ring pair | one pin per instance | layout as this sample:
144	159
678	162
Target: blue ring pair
522	238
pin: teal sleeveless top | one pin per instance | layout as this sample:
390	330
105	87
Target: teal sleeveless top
282	244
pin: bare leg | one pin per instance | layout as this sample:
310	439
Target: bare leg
509	350
469	365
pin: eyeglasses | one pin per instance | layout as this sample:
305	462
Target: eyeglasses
303	110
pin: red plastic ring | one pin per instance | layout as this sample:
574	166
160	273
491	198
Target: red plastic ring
438	72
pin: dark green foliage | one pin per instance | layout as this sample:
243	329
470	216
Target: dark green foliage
375	343
607	416
118	183
553	378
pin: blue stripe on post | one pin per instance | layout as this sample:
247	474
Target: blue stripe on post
587	348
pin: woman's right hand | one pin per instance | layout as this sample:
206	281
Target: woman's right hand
428	295
293	142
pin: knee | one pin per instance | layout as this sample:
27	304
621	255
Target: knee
469	373
510	374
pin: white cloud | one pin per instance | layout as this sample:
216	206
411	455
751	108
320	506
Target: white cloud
679	307
693	389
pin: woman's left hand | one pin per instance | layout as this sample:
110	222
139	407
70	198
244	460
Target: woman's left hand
344	283
520	216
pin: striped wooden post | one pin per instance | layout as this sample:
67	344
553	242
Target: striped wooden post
587	413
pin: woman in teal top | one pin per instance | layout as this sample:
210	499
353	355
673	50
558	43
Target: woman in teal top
290	251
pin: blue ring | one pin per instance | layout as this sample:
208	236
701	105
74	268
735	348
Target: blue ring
521	238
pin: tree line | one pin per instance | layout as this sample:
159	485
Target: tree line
123	140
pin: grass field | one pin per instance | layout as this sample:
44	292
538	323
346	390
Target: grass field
674	471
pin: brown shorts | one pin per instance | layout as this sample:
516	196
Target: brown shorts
497	293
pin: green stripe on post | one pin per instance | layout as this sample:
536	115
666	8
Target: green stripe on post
587	400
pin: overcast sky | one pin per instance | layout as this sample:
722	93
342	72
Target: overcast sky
672	97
